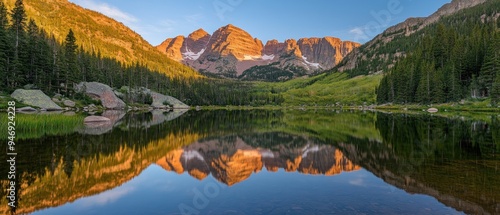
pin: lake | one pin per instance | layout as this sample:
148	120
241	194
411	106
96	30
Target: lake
262	162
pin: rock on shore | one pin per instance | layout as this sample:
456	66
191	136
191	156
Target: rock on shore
35	98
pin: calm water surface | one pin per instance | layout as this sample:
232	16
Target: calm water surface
263	162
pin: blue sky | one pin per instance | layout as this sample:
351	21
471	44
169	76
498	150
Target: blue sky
355	20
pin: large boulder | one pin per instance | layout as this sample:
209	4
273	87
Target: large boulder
35	98
159	101
102	92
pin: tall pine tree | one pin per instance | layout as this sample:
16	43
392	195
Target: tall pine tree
70	49
18	27
4	46
490	67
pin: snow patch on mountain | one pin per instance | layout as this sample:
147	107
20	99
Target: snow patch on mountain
307	63
268	57
189	155
189	55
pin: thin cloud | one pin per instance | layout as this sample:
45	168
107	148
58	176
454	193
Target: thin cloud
357	32
193	18
107	10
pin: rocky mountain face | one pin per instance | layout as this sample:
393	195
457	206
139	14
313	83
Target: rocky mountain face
406	28
232	52
235	160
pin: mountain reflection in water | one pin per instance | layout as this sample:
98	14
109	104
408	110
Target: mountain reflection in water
231	160
454	159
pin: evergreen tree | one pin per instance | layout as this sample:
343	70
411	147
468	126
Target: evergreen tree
495	90
18	28
71	71
490	67
4	46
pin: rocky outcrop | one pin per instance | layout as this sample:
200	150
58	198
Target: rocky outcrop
238	161
231	51
69	103
159	101
102	92
35	98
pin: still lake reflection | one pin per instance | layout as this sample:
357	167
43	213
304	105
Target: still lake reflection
263	162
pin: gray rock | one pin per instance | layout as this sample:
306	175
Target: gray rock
119	94
160	99
95	119
69	103
103	92
35	98
56	100
432	110
26	109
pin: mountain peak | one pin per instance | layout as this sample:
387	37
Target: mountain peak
198	34
230	51
229	26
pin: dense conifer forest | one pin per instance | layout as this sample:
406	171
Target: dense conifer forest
457	58
31	57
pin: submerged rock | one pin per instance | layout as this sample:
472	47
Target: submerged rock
95	119
26	109
35	98
102	92
101	127
432	110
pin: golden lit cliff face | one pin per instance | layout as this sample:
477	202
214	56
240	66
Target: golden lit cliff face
230	40
239	160
237	167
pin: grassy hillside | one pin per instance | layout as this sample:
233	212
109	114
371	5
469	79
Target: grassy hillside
96	32
327	89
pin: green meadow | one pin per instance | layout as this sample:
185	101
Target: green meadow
327	89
